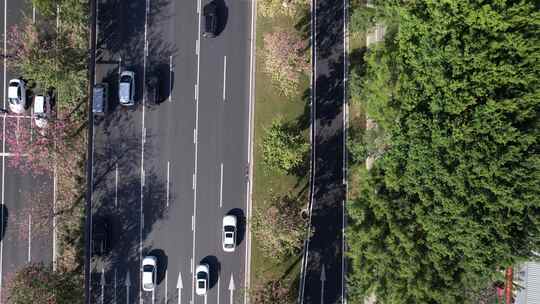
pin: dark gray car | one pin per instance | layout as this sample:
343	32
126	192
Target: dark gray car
99	99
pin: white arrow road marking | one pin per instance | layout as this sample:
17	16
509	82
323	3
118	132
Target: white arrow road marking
128	284
323	279
231	289
179	286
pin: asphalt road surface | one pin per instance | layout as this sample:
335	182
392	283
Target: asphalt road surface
167	170
324	264
26	227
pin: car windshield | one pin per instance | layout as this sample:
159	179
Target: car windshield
148	268
125	78
201	275
124	91
148	286
229	228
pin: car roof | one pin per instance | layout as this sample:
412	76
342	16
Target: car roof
12	92
202	267
210	8
147	279
149	260
39	104
124	90
229	220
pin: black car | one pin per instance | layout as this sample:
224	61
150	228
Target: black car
210	20
100	236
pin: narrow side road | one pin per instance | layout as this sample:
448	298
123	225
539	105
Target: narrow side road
323	270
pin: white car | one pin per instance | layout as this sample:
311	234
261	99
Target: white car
149	271
229	233
42	111
17	96
202	276
126	88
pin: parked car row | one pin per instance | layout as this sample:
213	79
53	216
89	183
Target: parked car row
17	100
126	93
101	245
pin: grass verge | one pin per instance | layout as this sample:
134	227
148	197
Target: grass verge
269	104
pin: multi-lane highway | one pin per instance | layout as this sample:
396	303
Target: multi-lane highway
165	174
26	233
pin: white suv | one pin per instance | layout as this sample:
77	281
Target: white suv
202	276
229	233
149	271
17	95
126	88
42	110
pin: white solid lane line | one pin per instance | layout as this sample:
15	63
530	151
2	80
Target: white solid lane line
115	278
55	183
170	78
143	135
196	152
224	75
116	187
119	67
218	280
166	283
29	237
103	285
249	185
221	187
168	181
3	148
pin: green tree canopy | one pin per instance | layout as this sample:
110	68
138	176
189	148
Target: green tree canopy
455	197
284	147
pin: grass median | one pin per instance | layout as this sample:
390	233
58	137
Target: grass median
270	104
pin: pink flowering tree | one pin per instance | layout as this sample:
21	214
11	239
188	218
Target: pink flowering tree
285	60
37	151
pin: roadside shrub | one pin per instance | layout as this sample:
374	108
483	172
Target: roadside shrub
285	60
280	228
39	284
274	8
283	148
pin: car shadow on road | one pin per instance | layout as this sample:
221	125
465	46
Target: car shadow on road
222	15
162	263
5	216
240	224
215	269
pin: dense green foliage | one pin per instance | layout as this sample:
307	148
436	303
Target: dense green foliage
456	195
39	284
284	148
